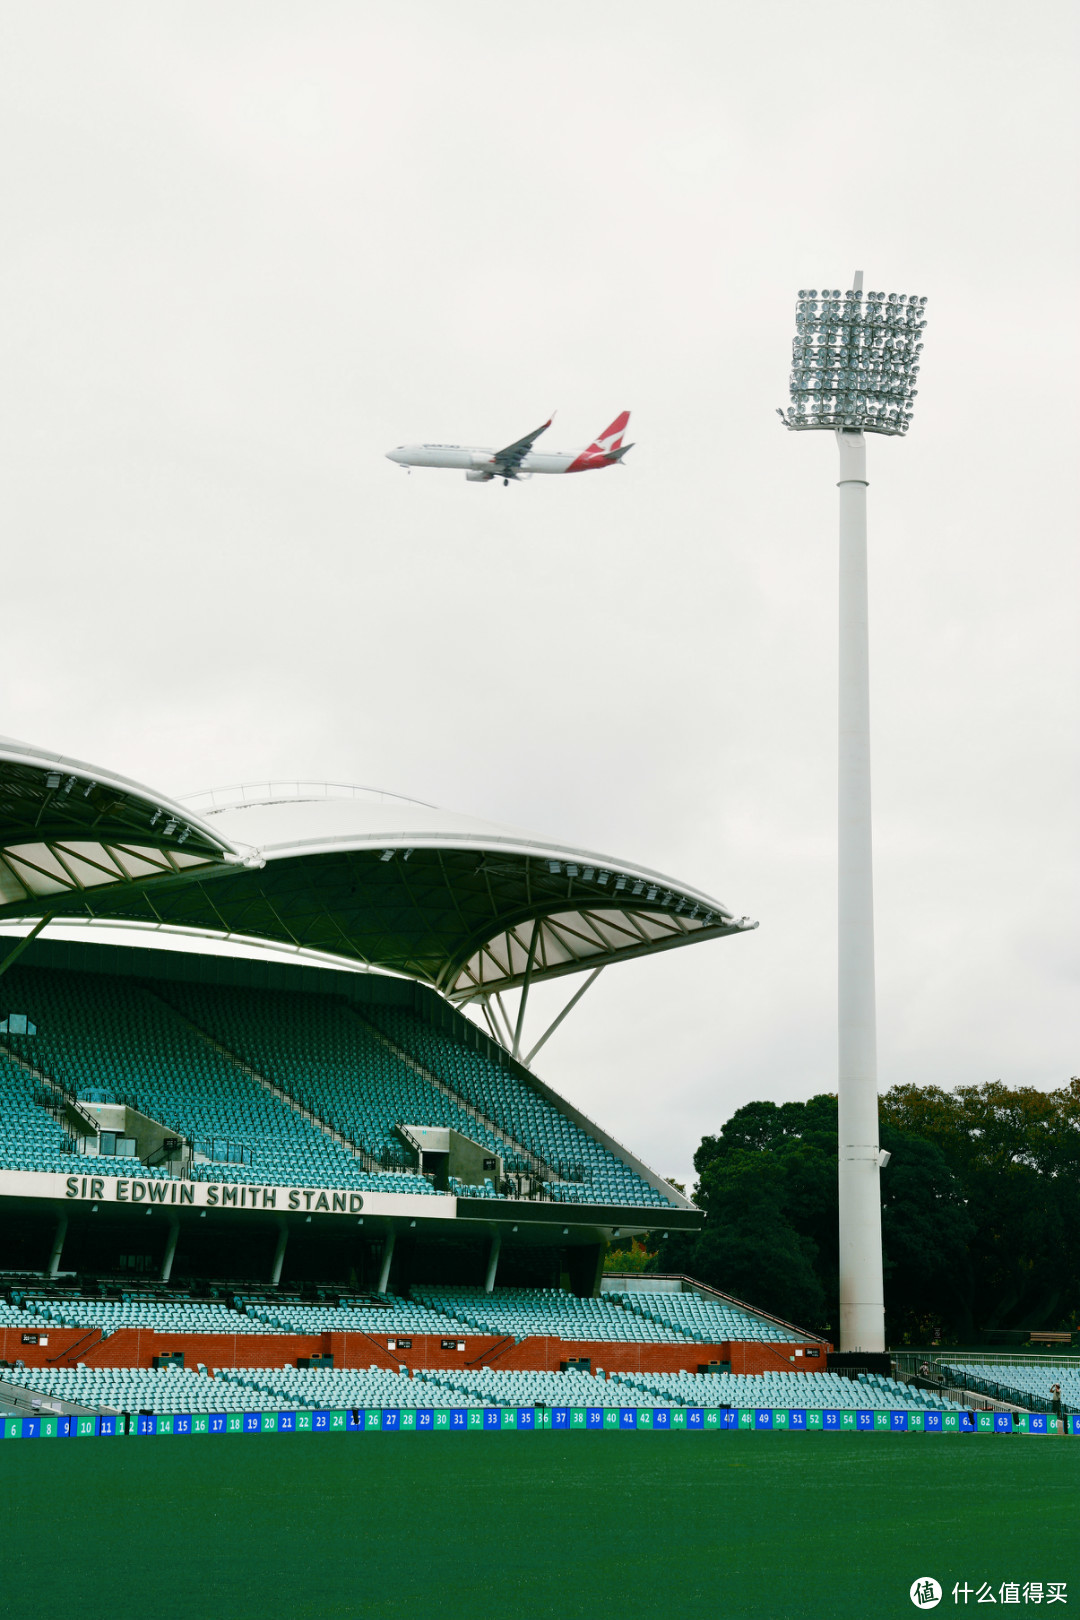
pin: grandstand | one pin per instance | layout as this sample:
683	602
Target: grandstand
396	1316
503	1314
104	1042
266	1087
267	1389
31	1137
252	1160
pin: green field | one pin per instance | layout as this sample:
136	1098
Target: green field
462	1527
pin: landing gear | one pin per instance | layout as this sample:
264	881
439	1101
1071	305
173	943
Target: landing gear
506	483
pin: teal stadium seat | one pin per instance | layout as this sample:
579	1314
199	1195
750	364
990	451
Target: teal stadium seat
189	1055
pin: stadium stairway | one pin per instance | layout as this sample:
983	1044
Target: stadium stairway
288	1087
277	1091
587	1170
367	1072
516	1149
31	1138
123	1041
332	1064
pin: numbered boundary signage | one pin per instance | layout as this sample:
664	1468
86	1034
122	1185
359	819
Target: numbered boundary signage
522	1419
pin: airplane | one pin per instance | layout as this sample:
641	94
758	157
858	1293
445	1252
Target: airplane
518	461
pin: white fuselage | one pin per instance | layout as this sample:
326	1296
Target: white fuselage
471	458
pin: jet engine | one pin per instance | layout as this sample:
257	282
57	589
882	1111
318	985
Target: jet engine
478	477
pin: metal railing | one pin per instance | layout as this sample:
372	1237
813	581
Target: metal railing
947	1370
912	1361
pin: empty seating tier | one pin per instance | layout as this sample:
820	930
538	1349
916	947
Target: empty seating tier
160	1316
283	1087
318	1051
398	1316
586	1171
526	1311
1017	1385
781	1389
30	1138
100	1033
253	1389
694	1316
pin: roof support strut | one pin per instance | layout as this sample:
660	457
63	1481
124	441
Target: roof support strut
17	950
570	1005
502	1022
516	1049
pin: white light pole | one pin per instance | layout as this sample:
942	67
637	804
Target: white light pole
854	362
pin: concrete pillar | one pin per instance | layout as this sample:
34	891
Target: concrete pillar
170	1250
58	1246
279	1257
493	1262
862	1309
387	1256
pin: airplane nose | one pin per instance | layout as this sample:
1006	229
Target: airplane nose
393	455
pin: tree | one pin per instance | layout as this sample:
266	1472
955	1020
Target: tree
749	1247
768	1187
925	1233
1015	1152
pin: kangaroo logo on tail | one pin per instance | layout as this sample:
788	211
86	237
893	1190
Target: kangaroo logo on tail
607	448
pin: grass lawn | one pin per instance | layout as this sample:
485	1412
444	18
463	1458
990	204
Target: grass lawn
462	1527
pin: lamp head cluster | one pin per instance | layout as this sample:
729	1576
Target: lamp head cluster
854	361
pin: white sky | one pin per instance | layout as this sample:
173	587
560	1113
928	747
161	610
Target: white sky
251	247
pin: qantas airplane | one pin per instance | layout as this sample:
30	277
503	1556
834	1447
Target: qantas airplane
518	460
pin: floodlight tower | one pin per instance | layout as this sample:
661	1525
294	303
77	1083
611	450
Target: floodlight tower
854	364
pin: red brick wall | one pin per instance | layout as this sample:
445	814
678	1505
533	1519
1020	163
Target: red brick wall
544	1354
751	1357
137	1347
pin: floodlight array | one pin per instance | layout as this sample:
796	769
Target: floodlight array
855	359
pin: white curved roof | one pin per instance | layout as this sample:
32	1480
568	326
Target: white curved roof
288	820
375	879
68	828
515	906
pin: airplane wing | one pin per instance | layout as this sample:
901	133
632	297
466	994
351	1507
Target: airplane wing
509	460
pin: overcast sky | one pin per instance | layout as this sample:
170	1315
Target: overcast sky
248	248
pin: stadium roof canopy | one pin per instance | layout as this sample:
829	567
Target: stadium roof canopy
370	878
70	831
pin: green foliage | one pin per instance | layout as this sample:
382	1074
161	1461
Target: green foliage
925	1232
980	1210
635	1258
749	1239
1016	1154
767	1185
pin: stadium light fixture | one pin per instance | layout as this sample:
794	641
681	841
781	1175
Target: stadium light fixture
855	362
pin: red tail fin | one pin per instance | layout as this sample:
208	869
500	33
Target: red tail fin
612	437
605	450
